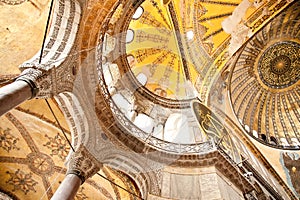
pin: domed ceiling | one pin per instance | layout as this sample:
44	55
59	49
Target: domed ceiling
180	48
173	43
174	48
265	83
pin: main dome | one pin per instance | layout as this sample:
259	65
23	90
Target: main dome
265	92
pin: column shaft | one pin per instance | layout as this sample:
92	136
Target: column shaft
68	188
14	94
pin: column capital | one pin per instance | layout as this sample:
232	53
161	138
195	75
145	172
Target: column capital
40	81
83	164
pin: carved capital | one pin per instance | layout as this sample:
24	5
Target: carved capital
40	81
83	164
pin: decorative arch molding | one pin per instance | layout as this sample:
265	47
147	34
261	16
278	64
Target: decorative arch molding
143	173
85	131
52	70
75	118
61	37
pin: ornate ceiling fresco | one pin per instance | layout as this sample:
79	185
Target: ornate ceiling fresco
178	50
33	152
158	45
33	149
265	83
180	41
173	59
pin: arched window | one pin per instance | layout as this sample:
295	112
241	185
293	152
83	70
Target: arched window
273	140
255	134
247	128
123	104
138	13
129	36
144	122
142	78
107	74
190	35
284	142
131	60
295	141
177	129
263	137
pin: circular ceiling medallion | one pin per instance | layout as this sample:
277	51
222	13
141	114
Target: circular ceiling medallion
278	67
264	84
40	163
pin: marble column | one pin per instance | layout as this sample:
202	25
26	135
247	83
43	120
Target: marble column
13	94
81	166
68	188
25	87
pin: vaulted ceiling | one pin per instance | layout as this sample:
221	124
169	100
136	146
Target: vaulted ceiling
32	146
33	149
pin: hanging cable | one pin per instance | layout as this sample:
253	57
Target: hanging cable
119	186
62	130
46	30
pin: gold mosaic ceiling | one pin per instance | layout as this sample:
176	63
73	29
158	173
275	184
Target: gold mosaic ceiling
265	83
33	151
207	47
182	41
173	42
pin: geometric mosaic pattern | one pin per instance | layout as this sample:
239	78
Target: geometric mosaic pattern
22	181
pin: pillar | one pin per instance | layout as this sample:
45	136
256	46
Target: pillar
25	87
81	166
14	94
68	188
32	82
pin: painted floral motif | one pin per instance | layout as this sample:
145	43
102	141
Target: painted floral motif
7	140
58	146
22	181
80	194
